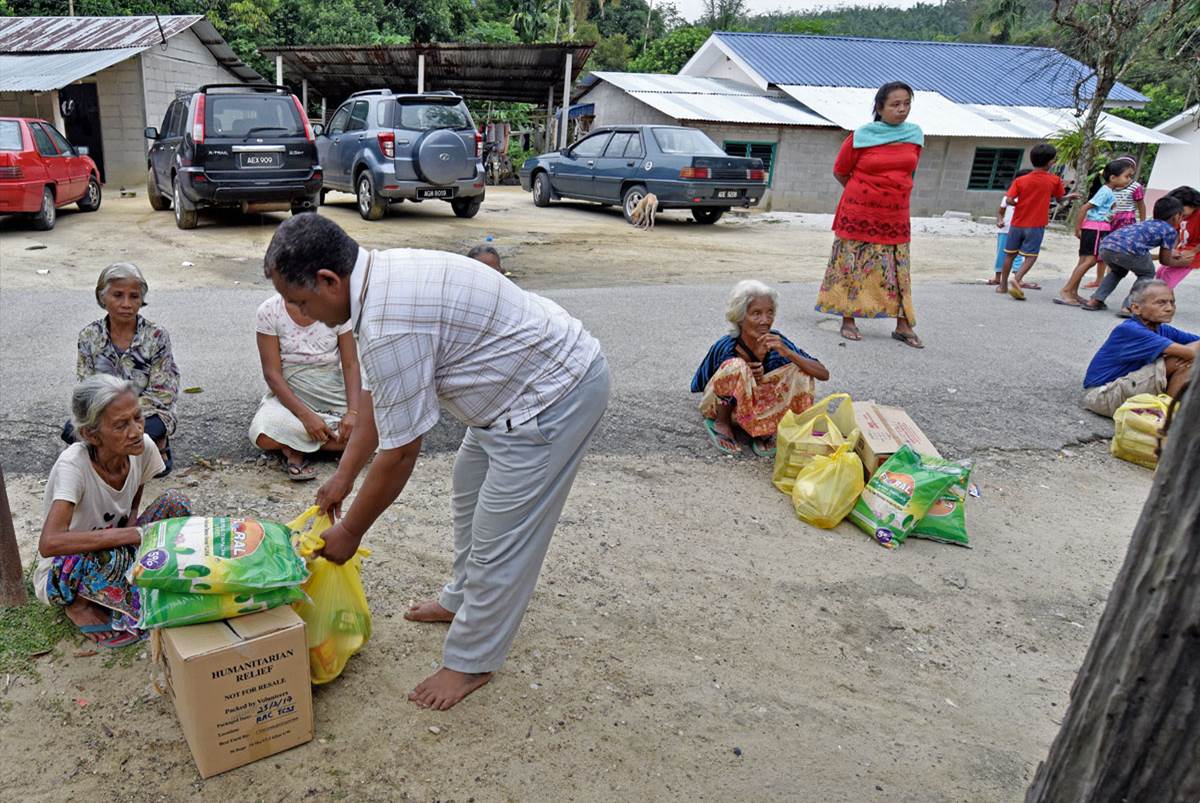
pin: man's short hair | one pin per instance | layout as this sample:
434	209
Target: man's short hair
1167	207
307	243
1142	287
480	250
1042	154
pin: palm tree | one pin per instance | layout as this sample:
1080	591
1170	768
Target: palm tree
1000	19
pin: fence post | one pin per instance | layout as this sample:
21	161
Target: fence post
12	582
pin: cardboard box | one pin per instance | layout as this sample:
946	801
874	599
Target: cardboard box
241	687
884	430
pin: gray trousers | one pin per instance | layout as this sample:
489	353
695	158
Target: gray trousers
509	490
1120	266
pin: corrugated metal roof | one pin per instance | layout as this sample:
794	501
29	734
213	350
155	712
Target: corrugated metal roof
850	107
42	72
1035	122
712	100
73	34
482	71
965	73
654	82
1176	122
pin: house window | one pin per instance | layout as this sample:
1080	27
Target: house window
755	150
994	168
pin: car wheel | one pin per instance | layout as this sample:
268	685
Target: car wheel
46	214
466	207
90	201
158	201
707	214
186	216
541	190
310	205
630	199
370	205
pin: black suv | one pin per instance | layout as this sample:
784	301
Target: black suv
233	145
387	148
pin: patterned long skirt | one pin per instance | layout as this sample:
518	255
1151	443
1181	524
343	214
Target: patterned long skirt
757	406
101	576
867	280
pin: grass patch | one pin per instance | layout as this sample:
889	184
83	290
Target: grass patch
27	631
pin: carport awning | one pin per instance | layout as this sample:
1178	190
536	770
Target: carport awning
43	72
524	73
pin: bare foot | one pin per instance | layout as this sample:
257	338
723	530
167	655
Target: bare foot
1001	287
446	688
83	613
993	280
1091	285
428	610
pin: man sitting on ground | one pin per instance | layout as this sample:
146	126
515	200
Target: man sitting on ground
1144	354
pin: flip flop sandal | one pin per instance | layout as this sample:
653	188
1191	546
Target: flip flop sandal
908	340
1124	314
1088	306
120	638
851	334
763	447
1031	286
104	628
301	473
723	444
1065	303
992	282
1016	292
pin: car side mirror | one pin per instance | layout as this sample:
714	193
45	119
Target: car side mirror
318	130
150	132
82	150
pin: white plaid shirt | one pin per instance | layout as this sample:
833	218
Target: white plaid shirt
438	327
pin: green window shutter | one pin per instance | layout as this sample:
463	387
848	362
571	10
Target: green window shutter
755	150
994	168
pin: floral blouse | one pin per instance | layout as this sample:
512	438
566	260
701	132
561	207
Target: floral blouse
148	363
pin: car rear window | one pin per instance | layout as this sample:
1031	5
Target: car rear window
249	115
686	140
419	116
10	135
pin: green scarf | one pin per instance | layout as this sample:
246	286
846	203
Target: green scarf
881	133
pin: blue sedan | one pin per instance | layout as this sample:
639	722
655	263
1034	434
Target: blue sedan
620	164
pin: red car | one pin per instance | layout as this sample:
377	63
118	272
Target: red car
40	171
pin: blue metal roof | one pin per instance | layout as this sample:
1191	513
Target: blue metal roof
1003	75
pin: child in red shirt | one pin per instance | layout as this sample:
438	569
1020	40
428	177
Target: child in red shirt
1189	234
1034	192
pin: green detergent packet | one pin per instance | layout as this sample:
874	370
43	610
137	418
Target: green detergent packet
217	555
946	519
167	609
898	496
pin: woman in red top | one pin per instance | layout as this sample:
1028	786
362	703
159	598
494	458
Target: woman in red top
868	275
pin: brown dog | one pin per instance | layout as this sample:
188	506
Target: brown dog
645	210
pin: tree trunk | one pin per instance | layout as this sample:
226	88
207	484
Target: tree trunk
1132	730
12	583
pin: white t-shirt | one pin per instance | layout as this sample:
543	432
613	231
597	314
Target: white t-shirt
1009	211
98	506
315	344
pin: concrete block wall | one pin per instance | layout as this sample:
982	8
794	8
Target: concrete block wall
186	64
27	104
617	107
941	180
119	90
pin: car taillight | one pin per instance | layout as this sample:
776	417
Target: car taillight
695	172
198	121
387	144
308	134
11	172
478	145
756	175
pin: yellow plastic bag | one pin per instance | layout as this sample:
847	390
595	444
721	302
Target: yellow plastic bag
819	430
336	616
1138	428
826	489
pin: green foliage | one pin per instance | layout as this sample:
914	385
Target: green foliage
530	20
493	32
723	15
611	52
30	630
669	54
1164	104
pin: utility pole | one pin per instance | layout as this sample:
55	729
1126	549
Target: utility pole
12	583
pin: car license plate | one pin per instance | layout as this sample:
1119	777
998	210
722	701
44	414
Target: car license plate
436	192
255	161
729	193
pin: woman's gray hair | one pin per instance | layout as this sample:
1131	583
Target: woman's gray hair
91	398
115	273
743	293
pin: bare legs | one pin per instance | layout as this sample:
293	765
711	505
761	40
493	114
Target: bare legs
1179	372
1070	291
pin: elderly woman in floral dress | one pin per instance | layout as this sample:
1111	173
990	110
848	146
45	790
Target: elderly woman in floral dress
751	377
126	345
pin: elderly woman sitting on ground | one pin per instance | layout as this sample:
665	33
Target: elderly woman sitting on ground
90	529
753	375
126	345
313	384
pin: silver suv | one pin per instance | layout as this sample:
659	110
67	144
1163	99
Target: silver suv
386	148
